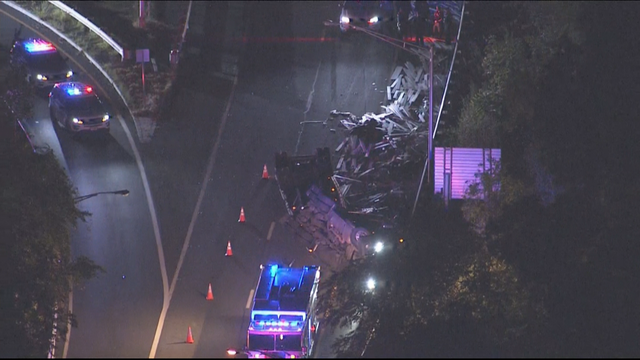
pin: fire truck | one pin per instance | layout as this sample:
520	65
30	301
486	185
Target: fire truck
283	320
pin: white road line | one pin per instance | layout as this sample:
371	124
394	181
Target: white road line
154	218
196	211
143	175
273	225
248	306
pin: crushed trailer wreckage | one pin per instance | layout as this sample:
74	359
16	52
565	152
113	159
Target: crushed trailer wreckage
366	196
379	165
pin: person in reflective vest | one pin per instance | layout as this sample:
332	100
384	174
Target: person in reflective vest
437	20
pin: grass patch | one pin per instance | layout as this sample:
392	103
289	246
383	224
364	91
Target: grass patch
119	20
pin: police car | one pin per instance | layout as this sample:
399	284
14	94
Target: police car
42	61
75	107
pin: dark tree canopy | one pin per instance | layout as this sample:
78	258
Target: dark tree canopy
546	265
37	214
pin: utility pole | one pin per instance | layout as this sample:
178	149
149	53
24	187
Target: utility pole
428	163
419	51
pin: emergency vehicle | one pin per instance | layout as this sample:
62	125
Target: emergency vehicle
283	322
41	60
75	107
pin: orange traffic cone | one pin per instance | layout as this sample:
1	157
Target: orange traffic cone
209	293
241	219
265	174
229	251
189	336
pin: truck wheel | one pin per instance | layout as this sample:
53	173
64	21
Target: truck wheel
357	235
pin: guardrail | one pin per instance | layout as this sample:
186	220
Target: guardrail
93	62
90	25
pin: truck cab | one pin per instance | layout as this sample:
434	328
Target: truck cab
283	320
296	174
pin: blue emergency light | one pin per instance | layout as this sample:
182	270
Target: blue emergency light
75	89
38	46
275	324
273	269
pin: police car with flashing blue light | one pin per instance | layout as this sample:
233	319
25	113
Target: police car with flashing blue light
41	60
75	107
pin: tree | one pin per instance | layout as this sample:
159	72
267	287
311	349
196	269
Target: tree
544	266
445	289
38	212
559	126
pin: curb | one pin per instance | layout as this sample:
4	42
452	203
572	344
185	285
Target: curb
81	51
39	23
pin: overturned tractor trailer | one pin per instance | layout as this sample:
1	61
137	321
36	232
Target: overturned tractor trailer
313	201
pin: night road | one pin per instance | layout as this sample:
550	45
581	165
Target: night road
118	311
512	231
256	79
290	68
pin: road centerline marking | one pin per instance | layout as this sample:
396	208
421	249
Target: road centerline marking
194	217
273	225
248	306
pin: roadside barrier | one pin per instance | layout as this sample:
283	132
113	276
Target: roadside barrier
86	22
93	62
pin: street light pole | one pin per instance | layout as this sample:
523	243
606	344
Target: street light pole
85	197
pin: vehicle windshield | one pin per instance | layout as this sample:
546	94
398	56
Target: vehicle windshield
261	342
85	103
289	342
45	58
275	342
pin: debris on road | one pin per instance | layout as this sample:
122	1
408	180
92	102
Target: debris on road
369	187
379	157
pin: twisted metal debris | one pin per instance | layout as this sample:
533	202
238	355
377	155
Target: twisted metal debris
377	168
378	164
378	160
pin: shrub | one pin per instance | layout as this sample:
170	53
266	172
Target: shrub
127	76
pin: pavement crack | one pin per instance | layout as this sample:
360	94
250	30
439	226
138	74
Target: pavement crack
306	111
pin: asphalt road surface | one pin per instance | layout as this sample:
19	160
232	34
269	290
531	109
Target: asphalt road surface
252	73
117	313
